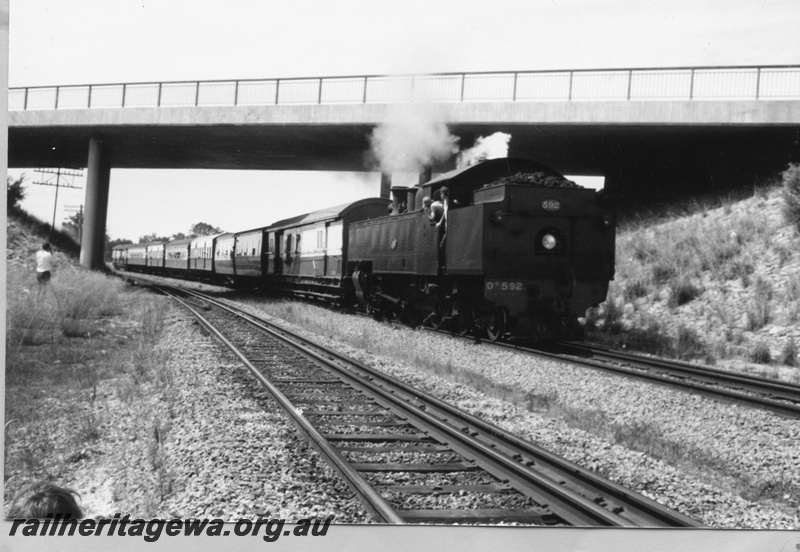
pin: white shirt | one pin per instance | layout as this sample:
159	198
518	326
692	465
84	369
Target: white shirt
45	261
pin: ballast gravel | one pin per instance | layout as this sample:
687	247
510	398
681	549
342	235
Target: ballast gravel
215	446
228	451
744	450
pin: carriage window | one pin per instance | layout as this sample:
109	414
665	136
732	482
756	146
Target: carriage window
320	243
297	244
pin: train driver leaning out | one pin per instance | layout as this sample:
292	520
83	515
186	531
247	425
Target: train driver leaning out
436	211
426	205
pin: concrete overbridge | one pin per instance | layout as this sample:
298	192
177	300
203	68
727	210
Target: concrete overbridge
645	130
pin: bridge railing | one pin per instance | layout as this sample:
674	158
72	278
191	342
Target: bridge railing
682	83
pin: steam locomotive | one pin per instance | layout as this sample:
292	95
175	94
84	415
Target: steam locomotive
506	248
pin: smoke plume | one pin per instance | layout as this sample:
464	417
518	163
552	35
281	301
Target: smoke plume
413	138
490	147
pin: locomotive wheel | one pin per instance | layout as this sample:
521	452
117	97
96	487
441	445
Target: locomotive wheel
434	320
465	321
375	313
496	323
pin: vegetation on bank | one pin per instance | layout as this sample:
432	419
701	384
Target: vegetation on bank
80	352
721	281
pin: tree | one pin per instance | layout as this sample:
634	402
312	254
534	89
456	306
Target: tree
109	245
16	192
74	225
203	229
149	238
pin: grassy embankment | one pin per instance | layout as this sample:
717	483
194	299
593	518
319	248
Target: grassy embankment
79	352
718	281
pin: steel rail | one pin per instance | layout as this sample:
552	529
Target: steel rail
789	410
786	391
476	438
377	506
780	389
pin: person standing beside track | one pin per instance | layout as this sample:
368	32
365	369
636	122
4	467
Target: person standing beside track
45	264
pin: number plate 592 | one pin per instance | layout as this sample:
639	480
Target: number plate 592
500	285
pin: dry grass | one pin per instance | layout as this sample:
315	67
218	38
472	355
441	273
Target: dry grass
66	343
709	286
72	305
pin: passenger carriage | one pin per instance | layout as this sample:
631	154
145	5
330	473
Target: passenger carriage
305	255
155	256
176	256
201	255
249	256
137	256
119	256
223	255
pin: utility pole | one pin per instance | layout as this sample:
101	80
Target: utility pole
57	174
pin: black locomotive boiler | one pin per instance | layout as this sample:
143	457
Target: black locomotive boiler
519	251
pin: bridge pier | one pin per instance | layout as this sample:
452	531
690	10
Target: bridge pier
98	178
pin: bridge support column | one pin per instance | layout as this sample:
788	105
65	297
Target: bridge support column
386	184
98	177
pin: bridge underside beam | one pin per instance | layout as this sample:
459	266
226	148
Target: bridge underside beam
644	158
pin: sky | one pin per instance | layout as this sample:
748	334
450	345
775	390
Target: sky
61	42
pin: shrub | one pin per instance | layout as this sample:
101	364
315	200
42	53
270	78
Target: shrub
635	290
793	288
759	313
689	345
738	268
789	353
663	272
84	295
653	339
761	353
791	195
683	291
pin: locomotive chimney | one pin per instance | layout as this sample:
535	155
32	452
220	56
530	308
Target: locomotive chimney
399	195
411	198
424	176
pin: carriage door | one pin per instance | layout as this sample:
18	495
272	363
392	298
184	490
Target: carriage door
269	253
279	252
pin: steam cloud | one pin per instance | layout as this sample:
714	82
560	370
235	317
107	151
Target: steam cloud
490	147
412	139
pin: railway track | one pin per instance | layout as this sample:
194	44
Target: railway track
780	397
409	457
